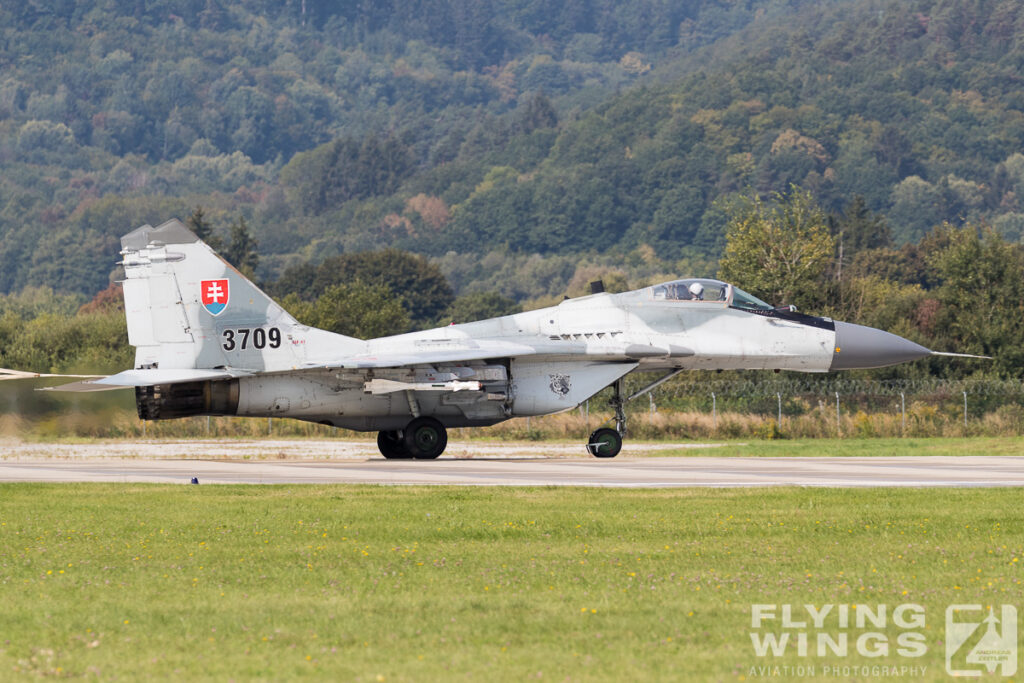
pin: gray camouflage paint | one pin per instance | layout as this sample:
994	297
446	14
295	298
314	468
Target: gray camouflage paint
532	363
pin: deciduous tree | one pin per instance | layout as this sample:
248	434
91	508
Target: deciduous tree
982	311
356	309
778	248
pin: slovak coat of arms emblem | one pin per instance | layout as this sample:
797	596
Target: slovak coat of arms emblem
215	295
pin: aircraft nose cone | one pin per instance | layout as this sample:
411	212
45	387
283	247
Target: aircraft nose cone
860	347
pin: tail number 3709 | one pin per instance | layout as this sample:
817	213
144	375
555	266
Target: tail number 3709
257	338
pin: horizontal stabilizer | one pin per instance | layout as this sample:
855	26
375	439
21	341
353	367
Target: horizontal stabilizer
81	387
19	374
146	378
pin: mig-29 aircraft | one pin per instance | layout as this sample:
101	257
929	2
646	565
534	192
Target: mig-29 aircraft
209	342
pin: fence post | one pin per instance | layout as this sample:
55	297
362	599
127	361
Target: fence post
965	408
714	412
270	426
778	396
839	428
651	398
903	413
207	425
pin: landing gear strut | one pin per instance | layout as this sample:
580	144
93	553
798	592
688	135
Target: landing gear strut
619	406
606	442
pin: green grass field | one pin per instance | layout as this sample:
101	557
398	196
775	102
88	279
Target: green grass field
402	583
859	447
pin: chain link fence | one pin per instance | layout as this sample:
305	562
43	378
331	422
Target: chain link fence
690	406
822	406
981	394
680	388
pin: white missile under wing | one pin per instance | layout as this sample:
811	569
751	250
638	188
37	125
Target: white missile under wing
209	342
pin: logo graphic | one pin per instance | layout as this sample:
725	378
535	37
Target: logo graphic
215	295
975	640
560	384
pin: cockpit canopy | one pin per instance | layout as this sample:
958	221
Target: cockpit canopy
702	289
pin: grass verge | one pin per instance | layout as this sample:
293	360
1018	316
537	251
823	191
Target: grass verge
378	583
761	448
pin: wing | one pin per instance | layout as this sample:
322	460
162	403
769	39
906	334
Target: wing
463	351
441	352
420	354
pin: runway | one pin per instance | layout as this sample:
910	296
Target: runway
629	472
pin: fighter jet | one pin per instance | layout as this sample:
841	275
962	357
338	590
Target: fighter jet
209	342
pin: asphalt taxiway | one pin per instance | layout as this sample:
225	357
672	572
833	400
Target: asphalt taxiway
632	471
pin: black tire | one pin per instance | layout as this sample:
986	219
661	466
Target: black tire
604	443
392	446
425	438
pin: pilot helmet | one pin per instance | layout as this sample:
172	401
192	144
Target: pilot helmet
697	290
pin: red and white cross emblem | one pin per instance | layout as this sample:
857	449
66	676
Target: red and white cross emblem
215	295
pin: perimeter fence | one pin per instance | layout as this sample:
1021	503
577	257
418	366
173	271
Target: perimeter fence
821	406
691	406
980	395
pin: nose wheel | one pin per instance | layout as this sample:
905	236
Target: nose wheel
605	443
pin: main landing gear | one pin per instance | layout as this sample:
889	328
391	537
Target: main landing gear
607	442
424	438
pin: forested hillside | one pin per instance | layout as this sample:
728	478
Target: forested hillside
121	112
523	146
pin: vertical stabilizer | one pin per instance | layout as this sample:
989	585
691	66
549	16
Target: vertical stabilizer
186	307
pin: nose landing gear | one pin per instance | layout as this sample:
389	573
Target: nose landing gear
606	442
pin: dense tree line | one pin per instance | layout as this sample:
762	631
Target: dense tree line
913	106
145	109
509	152
959	289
